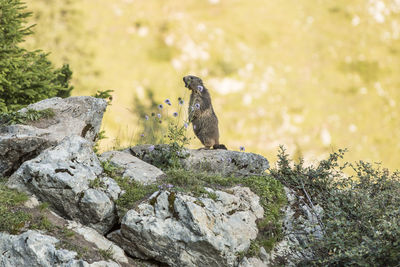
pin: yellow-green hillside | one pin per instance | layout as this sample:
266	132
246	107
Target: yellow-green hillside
313	75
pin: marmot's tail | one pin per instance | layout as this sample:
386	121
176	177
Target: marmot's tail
220	146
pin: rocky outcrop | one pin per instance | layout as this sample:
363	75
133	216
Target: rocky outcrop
57	165
80	116
35	249
182	230
300	222
63	176
132	167
224	162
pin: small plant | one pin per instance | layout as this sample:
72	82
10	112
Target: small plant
100	136
110	169
16	117
134	192
66	233
43	206
107	253
174	133
105	95
43	224
167	156
12	219
97	183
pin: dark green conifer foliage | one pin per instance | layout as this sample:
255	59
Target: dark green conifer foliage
25	76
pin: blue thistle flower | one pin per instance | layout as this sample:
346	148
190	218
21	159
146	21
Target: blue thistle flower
146	117
151	148
175	114
185	125
200	88
168	102
241	148
159	115
160	106
181	102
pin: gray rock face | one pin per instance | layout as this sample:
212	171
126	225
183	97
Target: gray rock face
62	176
182	230
34	249
300	222
16	149
252	262
79	115
72	116
133	167
225	162
117	254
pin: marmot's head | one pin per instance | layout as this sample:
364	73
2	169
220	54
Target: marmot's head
193	83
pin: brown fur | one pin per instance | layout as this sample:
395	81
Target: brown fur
201	113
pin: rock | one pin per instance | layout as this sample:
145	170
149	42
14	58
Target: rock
32	202
35	249
62	176
133	167
300	222
80	115
97	209
117	254
18	148
252	262
182	230
126	244
224	162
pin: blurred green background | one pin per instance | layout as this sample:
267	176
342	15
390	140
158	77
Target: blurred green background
313	75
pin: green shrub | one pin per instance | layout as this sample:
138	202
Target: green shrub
25	76
16	117
361	211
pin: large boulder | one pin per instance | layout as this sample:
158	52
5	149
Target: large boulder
80	115
182	230
35	249
224	162
132	167
64	177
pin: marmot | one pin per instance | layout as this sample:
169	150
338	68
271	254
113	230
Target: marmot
201	113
